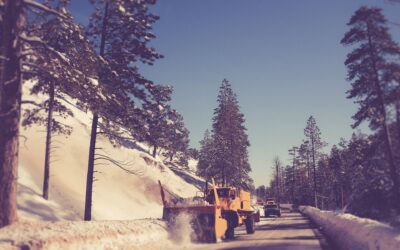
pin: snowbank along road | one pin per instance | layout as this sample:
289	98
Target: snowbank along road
292	231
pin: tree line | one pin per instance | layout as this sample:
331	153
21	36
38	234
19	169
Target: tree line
92	67
360	175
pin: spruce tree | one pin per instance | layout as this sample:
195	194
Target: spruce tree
368	67
177	136
313	135
230	140
206	157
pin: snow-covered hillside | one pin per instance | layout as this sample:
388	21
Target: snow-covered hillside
117	195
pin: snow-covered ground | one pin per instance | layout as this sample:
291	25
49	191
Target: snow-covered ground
126	207
352	232
134	234
117	194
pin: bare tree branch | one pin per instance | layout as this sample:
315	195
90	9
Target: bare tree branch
121	165
30	102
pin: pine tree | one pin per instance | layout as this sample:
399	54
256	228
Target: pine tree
12	17
13	42
62	68
315	144
368	68
177	137
158	109
120	31
335	164
230	140
206	157
278	177
261	193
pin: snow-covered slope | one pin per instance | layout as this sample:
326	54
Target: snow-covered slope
117	195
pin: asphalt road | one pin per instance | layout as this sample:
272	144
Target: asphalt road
292	231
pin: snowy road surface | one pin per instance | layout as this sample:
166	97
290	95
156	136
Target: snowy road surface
292	231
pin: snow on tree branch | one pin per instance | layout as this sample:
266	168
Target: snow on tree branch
44	8
45	45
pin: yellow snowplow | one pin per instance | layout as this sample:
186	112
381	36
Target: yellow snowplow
215	214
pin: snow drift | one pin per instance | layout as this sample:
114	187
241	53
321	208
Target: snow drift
352	232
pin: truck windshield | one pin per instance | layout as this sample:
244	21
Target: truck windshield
222	193
271	206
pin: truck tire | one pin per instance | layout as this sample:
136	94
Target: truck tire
249	225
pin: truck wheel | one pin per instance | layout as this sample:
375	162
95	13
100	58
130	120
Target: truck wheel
250	225
230	233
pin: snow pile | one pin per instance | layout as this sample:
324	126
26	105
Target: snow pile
352	232
138	234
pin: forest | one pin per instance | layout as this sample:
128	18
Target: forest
94	68
59	63
359	175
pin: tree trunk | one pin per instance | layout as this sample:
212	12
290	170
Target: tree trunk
89	177
398	122
154	151
314	174
93	134
48	143
10	107
277	182
386	131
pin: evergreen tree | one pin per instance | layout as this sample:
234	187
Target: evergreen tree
13	44
120	31
63	71
261	193
278	177
206	157
336	166
193	153
158	110
315	144
177	137
368	68
230	140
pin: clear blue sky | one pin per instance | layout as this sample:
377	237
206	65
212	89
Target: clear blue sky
283	58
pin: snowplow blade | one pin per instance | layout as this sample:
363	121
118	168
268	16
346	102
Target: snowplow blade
205	221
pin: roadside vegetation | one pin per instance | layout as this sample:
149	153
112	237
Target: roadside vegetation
359	175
